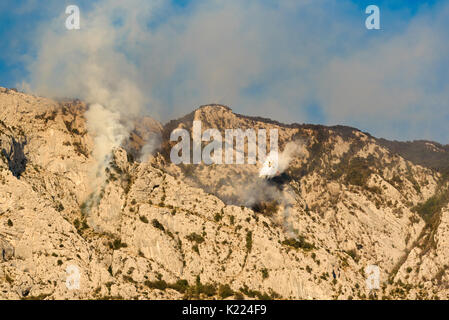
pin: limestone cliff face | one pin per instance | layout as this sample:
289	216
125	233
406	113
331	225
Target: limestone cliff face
159	231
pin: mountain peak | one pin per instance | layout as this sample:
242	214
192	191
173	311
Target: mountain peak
344	201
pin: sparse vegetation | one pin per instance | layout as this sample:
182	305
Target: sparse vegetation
158	284
359	171
199	290
249	241
432	206
155	223
194	237
225	291
59	207
299	243
217	217
264	273
117	244
261	296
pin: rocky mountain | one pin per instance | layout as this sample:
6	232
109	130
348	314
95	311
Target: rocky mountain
426	153
155	230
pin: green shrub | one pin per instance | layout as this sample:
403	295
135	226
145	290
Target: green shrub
117	244
180	286
209	289
358	172
225	291
59	207
194	237
238	296
217	217
298	243
249	241
158	284
264	273
157	225
143	219
254	293
76	223
432	206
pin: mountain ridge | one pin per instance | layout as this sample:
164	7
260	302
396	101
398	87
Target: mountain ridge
406	149
154	230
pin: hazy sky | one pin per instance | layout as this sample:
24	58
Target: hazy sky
293	60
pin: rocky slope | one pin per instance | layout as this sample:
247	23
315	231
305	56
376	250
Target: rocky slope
155	230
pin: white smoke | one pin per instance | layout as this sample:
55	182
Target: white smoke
276	163
292	149
108	133
262	191
96	64
288	201
153	143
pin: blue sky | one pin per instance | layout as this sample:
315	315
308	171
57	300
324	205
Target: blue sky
294	61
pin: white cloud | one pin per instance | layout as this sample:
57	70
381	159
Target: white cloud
264	58
393	81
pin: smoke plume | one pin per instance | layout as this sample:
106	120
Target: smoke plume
276	163
96	64
292	150
108	133
153	143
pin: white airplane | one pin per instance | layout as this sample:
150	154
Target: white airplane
270	166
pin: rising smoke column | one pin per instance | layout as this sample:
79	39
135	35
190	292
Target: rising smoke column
108	133
274	165
96	64
153	143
